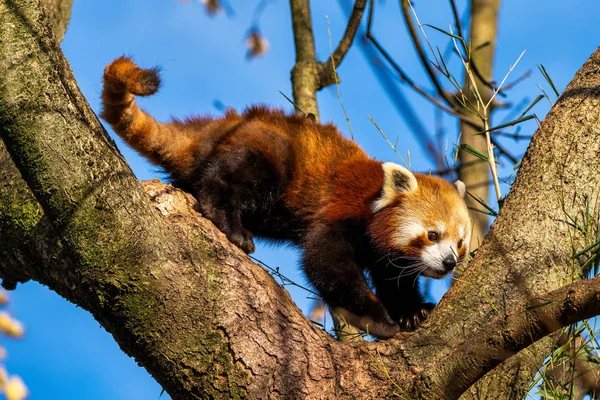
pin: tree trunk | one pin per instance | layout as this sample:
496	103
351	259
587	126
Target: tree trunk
207	322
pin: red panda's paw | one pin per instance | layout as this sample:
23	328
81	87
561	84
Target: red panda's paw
243	240
378	324
413	321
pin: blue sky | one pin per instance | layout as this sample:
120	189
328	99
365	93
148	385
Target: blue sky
68	355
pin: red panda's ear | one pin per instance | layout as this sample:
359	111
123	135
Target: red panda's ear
396	179
460	186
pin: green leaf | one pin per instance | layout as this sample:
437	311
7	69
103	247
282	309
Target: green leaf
471	150
511	123
535	101
534	306
590	247
294	104
484	204
444	32
548	79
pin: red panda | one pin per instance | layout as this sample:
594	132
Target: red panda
287	178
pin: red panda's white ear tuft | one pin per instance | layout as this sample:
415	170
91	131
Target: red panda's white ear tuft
396	179
462	189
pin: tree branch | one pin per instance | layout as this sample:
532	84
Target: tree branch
508	334
327	75
59	14
482	35
305	74
190	307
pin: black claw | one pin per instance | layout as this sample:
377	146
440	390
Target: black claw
416	320
413	321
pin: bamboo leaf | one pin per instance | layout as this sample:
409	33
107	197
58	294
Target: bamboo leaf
510	123
444	32
533	103
548	79
483	204
294	104
590	247
473	151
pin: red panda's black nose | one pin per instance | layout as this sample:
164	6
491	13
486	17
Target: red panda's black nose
449	262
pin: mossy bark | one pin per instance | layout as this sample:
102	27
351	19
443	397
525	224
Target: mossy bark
529	249
192	308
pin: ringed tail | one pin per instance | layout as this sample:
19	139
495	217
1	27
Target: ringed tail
160	143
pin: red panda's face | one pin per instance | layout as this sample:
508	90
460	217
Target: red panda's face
420	223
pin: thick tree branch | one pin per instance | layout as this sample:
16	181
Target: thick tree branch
305	74
203	319
59	14
508	334
173	292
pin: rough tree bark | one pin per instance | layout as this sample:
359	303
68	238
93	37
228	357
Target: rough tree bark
207	322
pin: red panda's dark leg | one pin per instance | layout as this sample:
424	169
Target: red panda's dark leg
400	294
331	266
235	181
219	202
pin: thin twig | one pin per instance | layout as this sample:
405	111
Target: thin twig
405	4
491	158
392	145
285	281
406	79
337	85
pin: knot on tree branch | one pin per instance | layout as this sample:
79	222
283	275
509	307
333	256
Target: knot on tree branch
327	75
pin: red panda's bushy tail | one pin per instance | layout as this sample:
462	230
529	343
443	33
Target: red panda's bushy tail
160	143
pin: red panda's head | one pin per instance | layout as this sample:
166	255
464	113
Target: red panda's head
420	222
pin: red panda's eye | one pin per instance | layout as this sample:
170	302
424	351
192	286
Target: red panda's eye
433	236
460	243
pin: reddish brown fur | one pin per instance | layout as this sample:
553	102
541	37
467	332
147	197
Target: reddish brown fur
434	200
285	177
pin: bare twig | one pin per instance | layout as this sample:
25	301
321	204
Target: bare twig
405	4
406	79
337	84
327	68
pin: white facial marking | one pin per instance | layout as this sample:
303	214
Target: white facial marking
407	231
433	257
441	228
461	232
